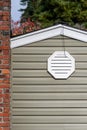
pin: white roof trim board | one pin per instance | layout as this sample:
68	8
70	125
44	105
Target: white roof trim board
48	33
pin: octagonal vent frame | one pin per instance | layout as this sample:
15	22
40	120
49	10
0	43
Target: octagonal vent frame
61	65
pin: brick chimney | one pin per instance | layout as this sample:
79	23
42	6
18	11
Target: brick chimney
4	64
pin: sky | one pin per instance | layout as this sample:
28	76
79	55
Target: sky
15	6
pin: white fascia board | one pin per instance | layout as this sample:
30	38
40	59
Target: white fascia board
36	36
74	33
48	33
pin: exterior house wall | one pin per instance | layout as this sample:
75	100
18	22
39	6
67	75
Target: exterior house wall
4	64
39	102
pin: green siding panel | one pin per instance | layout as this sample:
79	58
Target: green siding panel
49	127
39	102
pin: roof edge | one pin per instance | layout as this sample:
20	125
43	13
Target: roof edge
48	33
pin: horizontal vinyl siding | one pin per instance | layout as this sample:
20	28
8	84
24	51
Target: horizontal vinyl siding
49	88
51	81
49	96
50	119
48	50
50	126
42	65
43	58
43	73
47	103
39	102
50	112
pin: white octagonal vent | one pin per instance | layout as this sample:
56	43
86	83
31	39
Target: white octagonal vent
61	65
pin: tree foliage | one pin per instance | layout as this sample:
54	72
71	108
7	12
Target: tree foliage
18	27
30	8
49	12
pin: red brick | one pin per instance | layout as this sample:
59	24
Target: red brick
4	47
6	109
0	52
6	100
4	67
4	27
5	62
1	128
4	23
8	75
5	39
0	61
4	124
6	52
1	100
6	90
4	57
6	81
5	43
5	3
3	85
5	18
4	114
4	95
6	128
5	71
6	119
1	90
1	109
2	76
6	13
1	12
1	3
1	119
1	80
4	105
